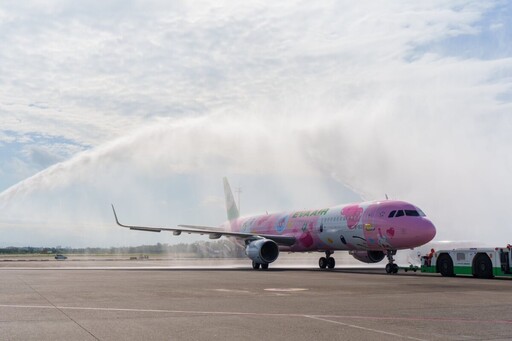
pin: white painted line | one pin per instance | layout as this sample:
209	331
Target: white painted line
363	328
148	310
317	316
286	289
234	291
226	267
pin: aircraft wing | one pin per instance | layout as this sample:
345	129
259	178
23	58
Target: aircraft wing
213	232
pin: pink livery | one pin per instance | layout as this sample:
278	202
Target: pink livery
370	231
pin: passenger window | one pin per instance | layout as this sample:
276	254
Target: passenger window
399	213
391	214
412	213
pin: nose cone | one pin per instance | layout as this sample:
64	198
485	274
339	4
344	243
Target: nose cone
428	230
417	232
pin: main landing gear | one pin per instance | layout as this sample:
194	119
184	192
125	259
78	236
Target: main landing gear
391	267
327	261
256	266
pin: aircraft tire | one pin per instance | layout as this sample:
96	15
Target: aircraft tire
389	268
322	262
445	265
331	263
255	265
264	266
394	268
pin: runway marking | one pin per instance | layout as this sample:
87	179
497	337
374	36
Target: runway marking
325	318
363	328
354	317
286	289
234	291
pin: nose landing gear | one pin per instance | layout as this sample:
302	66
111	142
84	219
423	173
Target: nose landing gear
391	267
327	261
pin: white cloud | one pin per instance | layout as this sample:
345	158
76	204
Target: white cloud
42	156
98	78
291	94
5	138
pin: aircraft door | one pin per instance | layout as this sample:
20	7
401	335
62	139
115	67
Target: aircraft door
370	227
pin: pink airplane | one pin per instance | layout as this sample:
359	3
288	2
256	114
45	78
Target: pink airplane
370	231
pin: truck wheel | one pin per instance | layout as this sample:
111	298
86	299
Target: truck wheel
445	265
482	266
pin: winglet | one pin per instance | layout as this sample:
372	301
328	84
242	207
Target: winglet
140	228
115	215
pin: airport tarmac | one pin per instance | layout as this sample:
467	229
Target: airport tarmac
117	301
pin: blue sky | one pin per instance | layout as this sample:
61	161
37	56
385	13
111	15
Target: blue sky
149	105
24	155
491	39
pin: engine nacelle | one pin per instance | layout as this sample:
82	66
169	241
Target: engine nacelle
262	251
368	256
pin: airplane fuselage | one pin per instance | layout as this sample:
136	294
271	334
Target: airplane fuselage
369	230
374	225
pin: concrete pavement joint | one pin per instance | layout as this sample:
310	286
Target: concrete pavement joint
59	309
363	328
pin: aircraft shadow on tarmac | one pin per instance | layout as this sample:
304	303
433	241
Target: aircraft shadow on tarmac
359	271
365	271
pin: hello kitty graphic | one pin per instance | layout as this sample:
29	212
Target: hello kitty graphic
281	224
353	214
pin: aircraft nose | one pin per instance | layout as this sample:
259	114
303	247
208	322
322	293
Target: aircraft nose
415	232
428	231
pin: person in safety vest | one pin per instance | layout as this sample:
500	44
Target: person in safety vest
428	257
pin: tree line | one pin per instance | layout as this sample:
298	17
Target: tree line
223	248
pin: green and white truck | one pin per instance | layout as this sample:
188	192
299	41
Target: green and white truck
477	262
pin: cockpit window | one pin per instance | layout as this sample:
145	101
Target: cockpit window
420	212
412	213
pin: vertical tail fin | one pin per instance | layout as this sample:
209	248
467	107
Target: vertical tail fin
231	208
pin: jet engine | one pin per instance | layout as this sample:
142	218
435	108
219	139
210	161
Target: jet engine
262	251
368	256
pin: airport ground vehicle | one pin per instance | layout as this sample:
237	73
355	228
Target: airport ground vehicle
60	257
477	262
